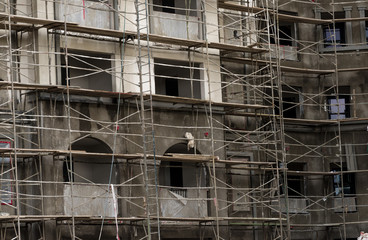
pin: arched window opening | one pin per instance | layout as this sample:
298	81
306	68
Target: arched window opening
91	168
90	194
183	184
181	175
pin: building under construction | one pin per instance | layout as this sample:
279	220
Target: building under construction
183	119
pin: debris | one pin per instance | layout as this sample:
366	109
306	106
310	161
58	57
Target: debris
190	138
363	236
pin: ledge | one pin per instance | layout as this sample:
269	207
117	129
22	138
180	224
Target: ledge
344	49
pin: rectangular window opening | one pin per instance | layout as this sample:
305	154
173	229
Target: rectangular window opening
338	104
348	182
178	78
334	32
181	7
286	34
87	70
291	102
296	184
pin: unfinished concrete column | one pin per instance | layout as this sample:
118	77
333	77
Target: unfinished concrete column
319	35
363	37
348	28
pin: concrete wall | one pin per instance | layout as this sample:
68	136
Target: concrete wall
131	195
172	122
315	146
322	151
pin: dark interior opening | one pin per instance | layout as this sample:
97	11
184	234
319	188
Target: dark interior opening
180	7
289	107
295	183
181	174
176	174
178	78
88	70
285	33
172	87
291	102
170	4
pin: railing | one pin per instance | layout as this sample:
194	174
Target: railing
181	192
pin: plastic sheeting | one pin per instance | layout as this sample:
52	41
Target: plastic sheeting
363	236
88	200
175	205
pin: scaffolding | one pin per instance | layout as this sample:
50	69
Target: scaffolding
196	119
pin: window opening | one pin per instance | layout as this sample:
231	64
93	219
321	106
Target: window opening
348	180
291	102
87	70
286	34
338	106
178	78
296	184
87	169
178	175
170	4
330	34
181	7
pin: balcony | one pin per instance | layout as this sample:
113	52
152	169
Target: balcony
176	25
91	13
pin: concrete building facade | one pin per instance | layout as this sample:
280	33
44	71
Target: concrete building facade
183	119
